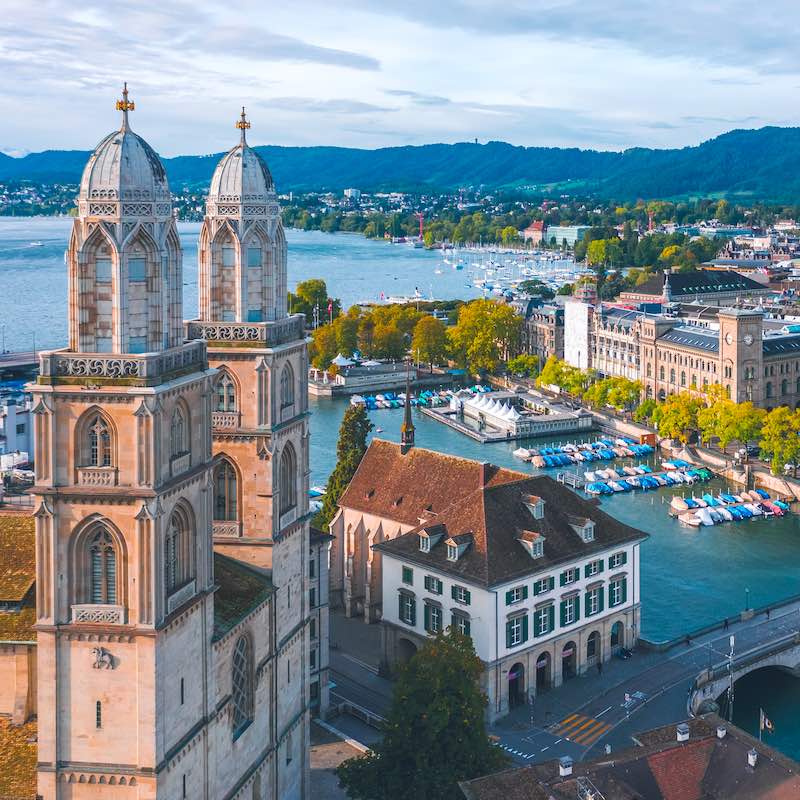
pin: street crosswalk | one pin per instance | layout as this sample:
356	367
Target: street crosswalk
579	729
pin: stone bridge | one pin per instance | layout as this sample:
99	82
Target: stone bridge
782	652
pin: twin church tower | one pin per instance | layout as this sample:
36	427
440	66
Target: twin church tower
172	527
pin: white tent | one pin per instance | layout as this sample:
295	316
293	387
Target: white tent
342	361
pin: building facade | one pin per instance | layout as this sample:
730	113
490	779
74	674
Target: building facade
543	332
16	429
165	668
544	593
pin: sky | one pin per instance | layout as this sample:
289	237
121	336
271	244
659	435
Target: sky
374	73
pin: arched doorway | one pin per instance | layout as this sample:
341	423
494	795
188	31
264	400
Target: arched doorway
516	686
406	650
544	671
569	661
617	637
593	648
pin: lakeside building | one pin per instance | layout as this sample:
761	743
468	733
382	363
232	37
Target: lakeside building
568	235
165	667
705	758
579	332
544	582
543	330
708	287
16	427
535	232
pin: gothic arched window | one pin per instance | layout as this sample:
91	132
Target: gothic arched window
103	569
288	479
225	493
242	685
99	443
178	431
287	386
178	549
226	393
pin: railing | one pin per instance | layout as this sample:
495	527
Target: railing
122	366
97	476
97	614
225	420
345	706
179	464
180	596
227	530
267	334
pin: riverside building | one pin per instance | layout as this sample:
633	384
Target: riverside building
172	539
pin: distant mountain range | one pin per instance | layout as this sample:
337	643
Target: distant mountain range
759	164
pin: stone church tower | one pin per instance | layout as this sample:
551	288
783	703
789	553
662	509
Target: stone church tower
125	575
259	413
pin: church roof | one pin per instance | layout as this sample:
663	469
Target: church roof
17	760
496	516
402	487
240	591
17	555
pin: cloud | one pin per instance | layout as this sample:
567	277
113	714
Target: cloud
419	99
334	106
700	120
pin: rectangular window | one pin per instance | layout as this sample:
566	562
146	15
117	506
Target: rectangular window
137	270
618	560
594	602
452	552
408	576
594	568
228	257
543	585
433	585
569	576
253	256
102	270
312	598
570	611
312	568
543	620
182	696
516	595
20	429
184	785
537	550
433	618
408	609
461	595
254	315
424	544
314	691
98	715
312	629
617	592
516	631
460	623
312	658
137	344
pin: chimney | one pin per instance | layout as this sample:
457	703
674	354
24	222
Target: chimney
565	766
752	758
683	732
483	477
721	731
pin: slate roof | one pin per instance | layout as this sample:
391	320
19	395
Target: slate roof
240	590
699	282
779	345
496	516
660	768
401	486
694	337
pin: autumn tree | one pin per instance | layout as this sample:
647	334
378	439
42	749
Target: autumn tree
780	438
434	735
676	417
430	341
484	335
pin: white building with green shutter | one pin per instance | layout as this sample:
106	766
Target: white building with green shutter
544	594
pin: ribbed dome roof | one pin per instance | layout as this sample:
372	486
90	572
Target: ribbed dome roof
241	175
123	166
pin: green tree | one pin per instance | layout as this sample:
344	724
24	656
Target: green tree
430	341
485	333
533	286
644	410
748	422
676	417
323	346
509	235
388	341
780	438
524	364
350	449
435	735
596	252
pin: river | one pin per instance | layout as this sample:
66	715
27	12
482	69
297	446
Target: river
690	577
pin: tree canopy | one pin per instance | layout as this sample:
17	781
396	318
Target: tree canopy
486	333
430	342
434	735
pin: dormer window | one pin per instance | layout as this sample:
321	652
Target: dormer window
587	533
535	505
537	548
533	542
424	544
452	552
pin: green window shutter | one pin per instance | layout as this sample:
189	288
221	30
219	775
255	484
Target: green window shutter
563	613
577	608
427	615
577	573
525	628
524	592
508	597
536	588
551	619
551	583
600	599
602	565
586	603
467	595
508	633
413	612
563	579
624	558
624	589
427	582
453	592
400	607
467	631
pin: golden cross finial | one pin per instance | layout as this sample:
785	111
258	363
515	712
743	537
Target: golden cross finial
125	105
243	124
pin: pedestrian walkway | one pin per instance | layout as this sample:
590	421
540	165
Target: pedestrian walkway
580	729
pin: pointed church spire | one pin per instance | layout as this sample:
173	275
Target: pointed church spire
243	125
667	289
407	428
125	106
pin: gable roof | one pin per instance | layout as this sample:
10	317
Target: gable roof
496	516
400	487
704	281
240	590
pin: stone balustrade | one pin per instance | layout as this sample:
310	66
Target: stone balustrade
147	368
97	476
97	614
227	529
225	420
264	334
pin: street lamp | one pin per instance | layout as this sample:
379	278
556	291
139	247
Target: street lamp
746	599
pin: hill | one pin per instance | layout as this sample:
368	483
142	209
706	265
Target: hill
759	164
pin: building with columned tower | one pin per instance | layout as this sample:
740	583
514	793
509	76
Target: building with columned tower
164	669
